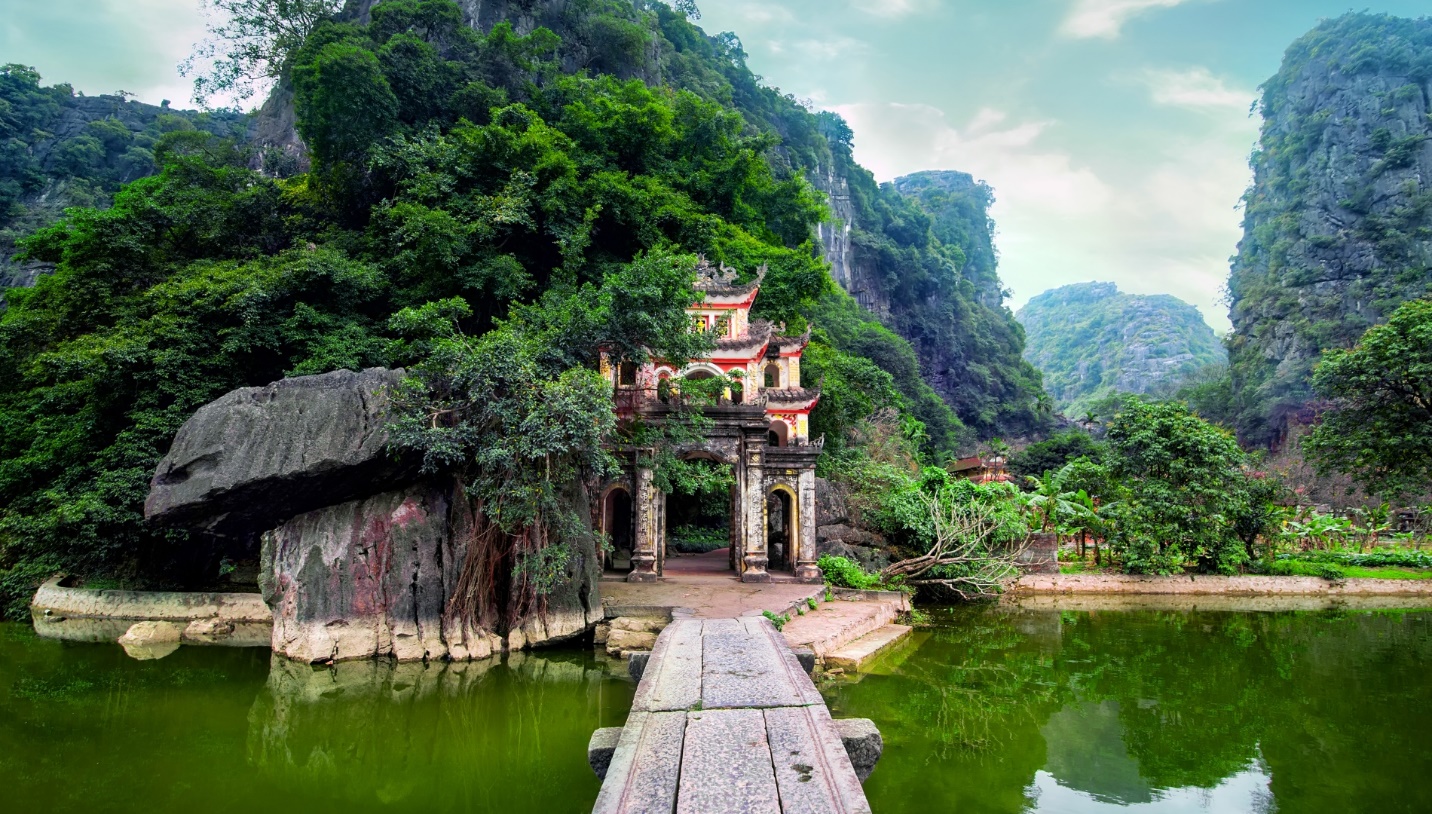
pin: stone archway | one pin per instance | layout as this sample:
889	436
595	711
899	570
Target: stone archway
782	528
619	524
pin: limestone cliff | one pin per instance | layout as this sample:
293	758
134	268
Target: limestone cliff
1091	340
1338	224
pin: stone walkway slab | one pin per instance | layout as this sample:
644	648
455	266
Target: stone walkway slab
726	720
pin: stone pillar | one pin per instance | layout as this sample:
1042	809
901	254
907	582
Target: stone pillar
755	558
647	537
805	568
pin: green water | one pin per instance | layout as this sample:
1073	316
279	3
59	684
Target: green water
85	728
995	710
988	710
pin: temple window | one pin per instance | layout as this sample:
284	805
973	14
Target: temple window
626	376
779	434
773	376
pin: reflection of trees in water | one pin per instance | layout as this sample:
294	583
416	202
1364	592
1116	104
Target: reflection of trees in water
1123	704
450	736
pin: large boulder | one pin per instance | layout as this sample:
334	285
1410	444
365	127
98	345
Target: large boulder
376	577
370	577
261	455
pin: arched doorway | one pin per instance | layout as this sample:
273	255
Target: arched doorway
778	435
617	524
781	524
698	517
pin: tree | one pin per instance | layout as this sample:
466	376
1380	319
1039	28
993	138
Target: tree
1185	486
1379	429
1052	454
250	42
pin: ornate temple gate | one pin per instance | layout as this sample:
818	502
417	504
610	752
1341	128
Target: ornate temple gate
760	428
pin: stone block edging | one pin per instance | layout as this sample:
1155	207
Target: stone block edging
1205	585
54	599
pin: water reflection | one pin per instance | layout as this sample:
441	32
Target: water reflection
83	728
1007	710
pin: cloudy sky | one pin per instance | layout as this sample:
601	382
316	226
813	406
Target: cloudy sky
1114	132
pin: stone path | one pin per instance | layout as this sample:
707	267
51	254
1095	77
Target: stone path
705	593
725	720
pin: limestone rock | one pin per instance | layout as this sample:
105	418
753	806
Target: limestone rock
862	742
639	624
151	640
208	631
601	748
375	577
621	641
831	506
368	578
1338	231
261	455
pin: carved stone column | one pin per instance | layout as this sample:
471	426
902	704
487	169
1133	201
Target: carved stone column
643	559
756	559
806	569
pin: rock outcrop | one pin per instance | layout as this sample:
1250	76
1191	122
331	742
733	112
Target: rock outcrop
360	556
1091	340
260	455
838	534
370	577
1338	222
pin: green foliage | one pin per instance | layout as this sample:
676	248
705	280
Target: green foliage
1053	453
119	141
1183	487
251	43
778	619
698	540
845	573
1379	428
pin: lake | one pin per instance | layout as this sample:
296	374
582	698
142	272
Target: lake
986	710
999	710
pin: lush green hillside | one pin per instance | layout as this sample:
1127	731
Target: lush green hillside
60	149
1091	340
449	163
1338	224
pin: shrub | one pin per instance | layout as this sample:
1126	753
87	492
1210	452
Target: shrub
846	573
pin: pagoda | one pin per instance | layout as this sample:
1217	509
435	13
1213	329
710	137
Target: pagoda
760	426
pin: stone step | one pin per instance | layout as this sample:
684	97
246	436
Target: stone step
833	625
863	650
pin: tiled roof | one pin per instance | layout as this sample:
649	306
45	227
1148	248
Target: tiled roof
791	395
757	334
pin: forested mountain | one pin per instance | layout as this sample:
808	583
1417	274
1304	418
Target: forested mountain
1090	341
60	149
923	262
1338	223
541	180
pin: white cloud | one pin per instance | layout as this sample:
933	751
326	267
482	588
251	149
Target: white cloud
1105	18
891	8
759	14
1196	88
826	50
896	139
